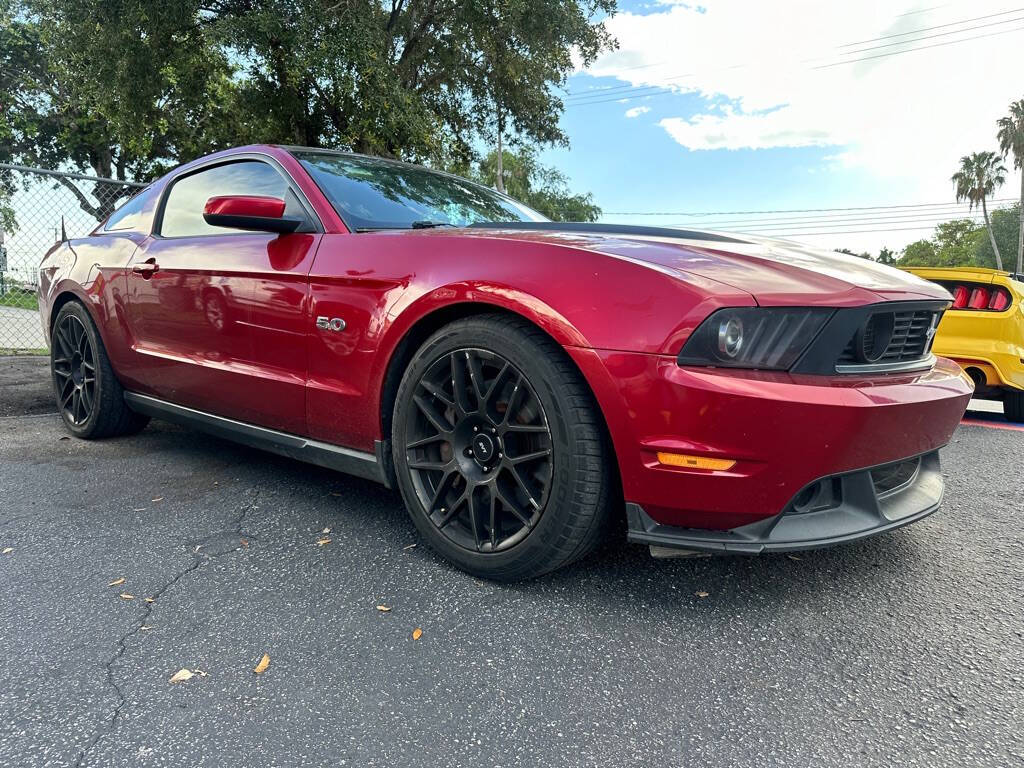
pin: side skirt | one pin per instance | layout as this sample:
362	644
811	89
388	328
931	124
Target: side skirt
335	457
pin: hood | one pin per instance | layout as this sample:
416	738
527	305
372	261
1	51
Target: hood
774	271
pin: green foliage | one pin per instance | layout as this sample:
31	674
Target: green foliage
542	188
961	242
1005	226
128	88
887	256
1011	141
920	253
980	174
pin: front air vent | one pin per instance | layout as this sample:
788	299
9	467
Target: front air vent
889	339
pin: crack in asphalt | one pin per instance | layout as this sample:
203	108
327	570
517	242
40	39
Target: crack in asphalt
199	559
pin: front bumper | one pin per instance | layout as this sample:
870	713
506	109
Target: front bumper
783	431
832	510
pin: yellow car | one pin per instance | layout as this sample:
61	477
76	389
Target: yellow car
984	331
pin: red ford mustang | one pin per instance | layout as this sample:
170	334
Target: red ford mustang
518	380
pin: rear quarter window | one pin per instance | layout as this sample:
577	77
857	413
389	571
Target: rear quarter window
136	215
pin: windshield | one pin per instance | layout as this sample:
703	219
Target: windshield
369	193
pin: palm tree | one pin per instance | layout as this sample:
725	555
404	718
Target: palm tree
978	177
1011	139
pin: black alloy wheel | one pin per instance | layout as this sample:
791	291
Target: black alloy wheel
89	396
74	370
479	448
499	449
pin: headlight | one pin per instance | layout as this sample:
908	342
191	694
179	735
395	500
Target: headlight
767	338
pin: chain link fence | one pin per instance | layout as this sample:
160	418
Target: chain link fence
33	202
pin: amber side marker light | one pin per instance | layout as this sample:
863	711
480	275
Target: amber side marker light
694	462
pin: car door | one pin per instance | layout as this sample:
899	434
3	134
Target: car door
217	315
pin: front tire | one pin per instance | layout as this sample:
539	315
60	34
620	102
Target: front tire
89	396
500	451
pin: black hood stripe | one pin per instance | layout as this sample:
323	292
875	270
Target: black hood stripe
624	230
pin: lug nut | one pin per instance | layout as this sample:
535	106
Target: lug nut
476	429
469	451
487	469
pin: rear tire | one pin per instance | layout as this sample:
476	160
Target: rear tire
1013	405
536	494
89	396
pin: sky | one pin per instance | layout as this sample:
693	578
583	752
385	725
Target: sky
795	106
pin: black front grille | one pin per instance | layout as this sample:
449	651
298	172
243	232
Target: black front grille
910	339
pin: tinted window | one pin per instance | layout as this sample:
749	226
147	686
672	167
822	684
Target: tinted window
131	215
379	194
183	213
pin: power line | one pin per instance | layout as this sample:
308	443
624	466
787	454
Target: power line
923	47
667	80
660	90
929	29
937	216
797	210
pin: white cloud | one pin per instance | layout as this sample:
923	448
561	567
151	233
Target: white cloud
637	111
904	118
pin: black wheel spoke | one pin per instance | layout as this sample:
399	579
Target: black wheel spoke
444	485
474	513
437	420
459	383
493	515
440	437
453	513
512	507
526	428
479	453
541	454
514	471
429	466
476	378
66	394
510	405
74	370
437	392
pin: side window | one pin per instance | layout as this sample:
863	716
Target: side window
133	215
183	212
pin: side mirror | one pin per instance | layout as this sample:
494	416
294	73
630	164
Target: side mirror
250	212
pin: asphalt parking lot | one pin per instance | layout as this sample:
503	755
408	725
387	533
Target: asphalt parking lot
907	649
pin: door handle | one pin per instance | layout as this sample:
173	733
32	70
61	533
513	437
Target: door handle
146	268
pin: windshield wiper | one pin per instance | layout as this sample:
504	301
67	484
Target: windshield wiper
430	224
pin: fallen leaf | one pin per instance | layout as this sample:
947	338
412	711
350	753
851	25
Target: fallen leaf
198	547
322	542
702	594
126	596
245	542
326	530
181	676
417	633
8	550
144	627
64	438
159	498
384	608
150	599
140	509
199	672
115	582
794	557
262	666
411	546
